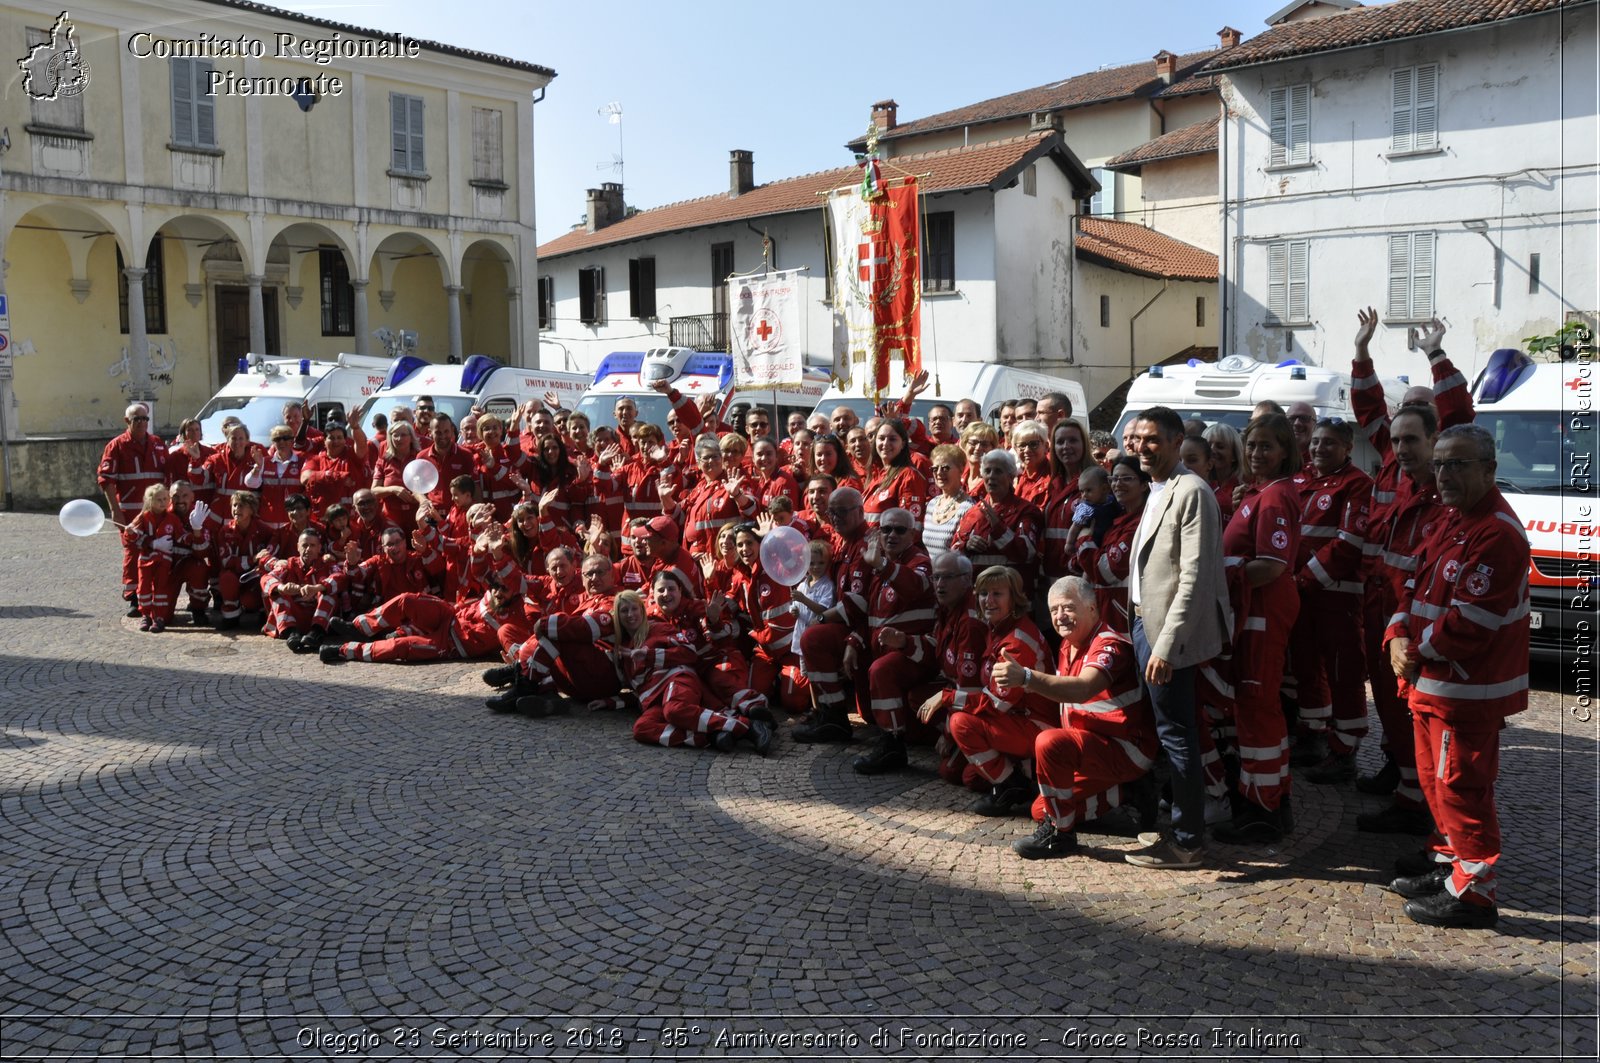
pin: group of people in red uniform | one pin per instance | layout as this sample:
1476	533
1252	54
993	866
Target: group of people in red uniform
966	591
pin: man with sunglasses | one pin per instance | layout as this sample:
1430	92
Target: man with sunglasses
132	462
1459	644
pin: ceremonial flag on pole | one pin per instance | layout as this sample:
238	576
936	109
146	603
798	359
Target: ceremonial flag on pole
877	282
764	331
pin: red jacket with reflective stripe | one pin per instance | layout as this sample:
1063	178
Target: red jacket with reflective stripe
1467	616
1333	529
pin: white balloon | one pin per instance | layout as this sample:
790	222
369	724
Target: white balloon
420	476
82	517
784	556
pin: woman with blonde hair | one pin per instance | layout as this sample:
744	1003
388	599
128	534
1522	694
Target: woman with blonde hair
950	504
977	439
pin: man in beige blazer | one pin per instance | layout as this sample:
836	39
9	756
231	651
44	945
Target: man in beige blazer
1181	619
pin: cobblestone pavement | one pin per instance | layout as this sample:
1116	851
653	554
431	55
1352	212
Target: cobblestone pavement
212	847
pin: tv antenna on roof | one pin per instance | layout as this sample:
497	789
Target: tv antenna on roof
612	113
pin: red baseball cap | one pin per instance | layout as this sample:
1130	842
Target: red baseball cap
663	526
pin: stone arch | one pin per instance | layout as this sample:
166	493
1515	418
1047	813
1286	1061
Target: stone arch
489	297
413	274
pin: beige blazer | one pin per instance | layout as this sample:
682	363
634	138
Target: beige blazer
1183	592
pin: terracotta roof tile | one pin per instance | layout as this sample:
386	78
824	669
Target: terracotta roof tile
1197	139
1135	249
1376	25
358	31
1097	86
986	165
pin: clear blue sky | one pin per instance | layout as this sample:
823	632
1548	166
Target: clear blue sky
791	83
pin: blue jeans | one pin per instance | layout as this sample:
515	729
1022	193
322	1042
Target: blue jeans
1177	726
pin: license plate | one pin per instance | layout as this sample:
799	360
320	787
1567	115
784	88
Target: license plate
1535	620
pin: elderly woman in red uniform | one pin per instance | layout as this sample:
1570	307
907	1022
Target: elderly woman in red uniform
996	730
1003	528
1030	442
1259	544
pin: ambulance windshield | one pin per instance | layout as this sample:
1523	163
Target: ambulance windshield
1537	453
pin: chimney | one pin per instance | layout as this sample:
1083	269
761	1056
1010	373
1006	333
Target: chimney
605	205
741	172
1041	121
1228	36
883	115
1166	65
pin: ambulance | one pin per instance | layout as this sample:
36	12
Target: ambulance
990	384
1228	390
479	381
1542	416
257	393
628	374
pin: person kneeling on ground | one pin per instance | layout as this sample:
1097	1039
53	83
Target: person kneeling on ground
1107	738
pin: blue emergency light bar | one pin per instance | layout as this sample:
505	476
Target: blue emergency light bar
619	363
1501	373
305	367
707	364
401	368
476	370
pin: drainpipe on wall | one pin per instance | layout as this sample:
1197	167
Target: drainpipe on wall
1133	365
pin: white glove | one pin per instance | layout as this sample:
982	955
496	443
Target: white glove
198	515
163	545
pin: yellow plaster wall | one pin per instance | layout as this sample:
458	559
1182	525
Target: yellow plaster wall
308	153
486	327
418	305
102	108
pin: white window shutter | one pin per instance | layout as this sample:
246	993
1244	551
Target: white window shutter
205	107
1399	277
1400	108
1299	280
183	101
1425	119
1300	123
1278	281
399	142
1278	124
415	122
1422	275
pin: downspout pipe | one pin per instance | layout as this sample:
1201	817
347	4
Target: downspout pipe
1133	363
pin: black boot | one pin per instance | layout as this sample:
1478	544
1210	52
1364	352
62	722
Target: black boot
824	727
887	754
506	700
1384	781
498	676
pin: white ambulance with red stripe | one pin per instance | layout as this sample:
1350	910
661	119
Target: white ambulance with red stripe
1542	416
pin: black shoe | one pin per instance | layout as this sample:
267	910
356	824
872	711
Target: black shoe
501	675
293	641
331	654
1419	863
228	623
760	735
1424	885
1396	820
1442	909
310	642
1144	798
1251	825
197	616
1047	842
887	754
820	728
345	631
539	706
1312	749
1333	769
724	741
133	608
1381	783
506	701
1286	815
760	711
1015	794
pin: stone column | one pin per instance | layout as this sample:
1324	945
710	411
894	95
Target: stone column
518	356
139	388
452	302
362	332
258	316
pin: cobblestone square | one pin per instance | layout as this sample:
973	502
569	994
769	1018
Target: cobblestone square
214	848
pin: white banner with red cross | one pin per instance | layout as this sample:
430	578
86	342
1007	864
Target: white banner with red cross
764	330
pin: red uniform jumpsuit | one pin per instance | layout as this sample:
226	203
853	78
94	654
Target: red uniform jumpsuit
399	510
959	640
823	645
709	507
1058	532
457	461
156	537
126	469
238	577
329	480
671	691
1016	545
998	727
571	652
1105	564
1240	692
773	664
1467	617
286	616
899	597
1102	743
424	628
278	482
1326	648
634	574
495	469
181	467
1453	402
905	489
